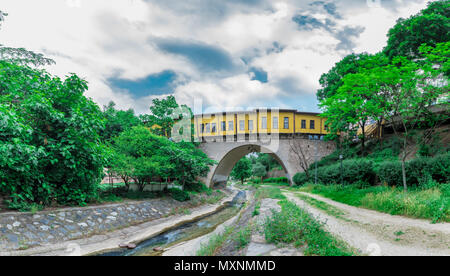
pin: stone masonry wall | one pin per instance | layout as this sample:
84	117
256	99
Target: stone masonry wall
26	230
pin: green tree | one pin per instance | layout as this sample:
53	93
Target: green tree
189	162
259	170
162	114
333	79
122	165
117	121
242	170
402	92
153	156
58	131
136	155
430	26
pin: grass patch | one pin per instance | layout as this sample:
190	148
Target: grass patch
243	237
256	210
331	210
432	203
295	226
273	184
269	192
215	243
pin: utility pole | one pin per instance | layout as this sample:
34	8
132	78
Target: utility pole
340	159
342	178
315	157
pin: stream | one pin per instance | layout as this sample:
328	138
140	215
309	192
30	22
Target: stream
184	232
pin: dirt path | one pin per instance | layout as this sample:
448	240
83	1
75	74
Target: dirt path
375	233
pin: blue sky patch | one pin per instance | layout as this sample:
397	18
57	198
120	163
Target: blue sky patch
258	74
203	56
155	84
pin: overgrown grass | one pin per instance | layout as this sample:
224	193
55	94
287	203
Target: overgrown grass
256	210
295	226
243	237
275	184
269	192
215	242
431	203
331	210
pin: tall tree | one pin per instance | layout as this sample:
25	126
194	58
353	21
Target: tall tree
259	170
242	170
117	121
333	79
402	92
430	26
162	115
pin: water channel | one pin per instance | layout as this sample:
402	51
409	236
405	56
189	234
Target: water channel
185	232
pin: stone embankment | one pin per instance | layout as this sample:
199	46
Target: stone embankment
20	231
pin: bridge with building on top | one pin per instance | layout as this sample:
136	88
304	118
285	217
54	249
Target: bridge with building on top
290	136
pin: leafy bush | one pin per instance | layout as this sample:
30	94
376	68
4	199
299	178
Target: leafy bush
353	171
254	180
418	171
389	149
276	180
179	195
390	173
300	179
196	186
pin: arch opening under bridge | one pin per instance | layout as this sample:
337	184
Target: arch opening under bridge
227	154
223	170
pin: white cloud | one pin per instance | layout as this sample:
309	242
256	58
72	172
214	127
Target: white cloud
102	39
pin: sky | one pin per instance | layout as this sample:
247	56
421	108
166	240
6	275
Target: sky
211	55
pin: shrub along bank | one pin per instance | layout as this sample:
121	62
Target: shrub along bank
364	171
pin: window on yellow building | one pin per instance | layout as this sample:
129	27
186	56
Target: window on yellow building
264	122
312	124
286	122
224	126
242	125
250	124
203	128
230	126
213	127
208	128
304	124
275	122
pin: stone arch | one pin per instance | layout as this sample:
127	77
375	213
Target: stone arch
221	172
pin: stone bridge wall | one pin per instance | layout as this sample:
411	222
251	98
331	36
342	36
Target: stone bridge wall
228	153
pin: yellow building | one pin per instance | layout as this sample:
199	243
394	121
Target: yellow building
259	121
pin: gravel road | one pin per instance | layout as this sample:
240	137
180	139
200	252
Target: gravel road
374	233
